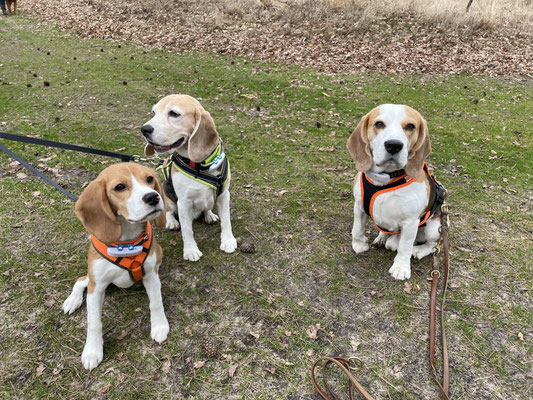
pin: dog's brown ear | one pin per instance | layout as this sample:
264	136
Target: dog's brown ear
149	150
161	221
204	137
95	213
359	147
419	151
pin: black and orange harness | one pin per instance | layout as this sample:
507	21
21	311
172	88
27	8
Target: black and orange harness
369	192
133	264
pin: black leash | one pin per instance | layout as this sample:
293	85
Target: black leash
49	143
66	146
37	172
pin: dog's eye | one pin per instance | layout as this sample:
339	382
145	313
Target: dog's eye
409	127
120	187
150	179
379	125
173	114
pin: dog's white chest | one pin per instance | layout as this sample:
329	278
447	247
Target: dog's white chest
394	208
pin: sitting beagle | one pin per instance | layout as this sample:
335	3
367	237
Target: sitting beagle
116	209
394	186
197	172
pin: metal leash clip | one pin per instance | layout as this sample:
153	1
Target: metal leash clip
152	160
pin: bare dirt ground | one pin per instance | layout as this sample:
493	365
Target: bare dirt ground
311	34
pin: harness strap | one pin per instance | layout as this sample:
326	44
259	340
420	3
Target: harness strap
133	264
217	183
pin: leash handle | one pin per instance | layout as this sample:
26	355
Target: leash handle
66	146
345	367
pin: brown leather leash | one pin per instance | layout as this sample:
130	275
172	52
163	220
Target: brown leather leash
344	364
441	247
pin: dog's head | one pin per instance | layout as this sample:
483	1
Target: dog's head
180	121
127	190
389	138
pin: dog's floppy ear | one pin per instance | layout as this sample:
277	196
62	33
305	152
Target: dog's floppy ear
419	151
161	221
149	150
94	211
359	147
204	137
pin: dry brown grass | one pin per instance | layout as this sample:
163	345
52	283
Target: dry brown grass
356	14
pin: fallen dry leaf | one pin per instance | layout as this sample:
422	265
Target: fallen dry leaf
40	369
198	364
106	388
231	370
123	334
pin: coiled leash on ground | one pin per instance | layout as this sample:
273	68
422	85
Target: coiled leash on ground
66	146
344	364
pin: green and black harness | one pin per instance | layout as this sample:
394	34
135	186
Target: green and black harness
197	171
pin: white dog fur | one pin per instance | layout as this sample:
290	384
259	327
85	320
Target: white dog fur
113	213
399	210
180	124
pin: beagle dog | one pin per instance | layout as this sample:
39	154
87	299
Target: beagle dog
394	186
199	173
116	209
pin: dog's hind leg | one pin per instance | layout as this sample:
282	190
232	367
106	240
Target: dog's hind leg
381	239
73	302
210	217
432	235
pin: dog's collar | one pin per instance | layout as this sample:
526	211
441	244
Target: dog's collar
129	255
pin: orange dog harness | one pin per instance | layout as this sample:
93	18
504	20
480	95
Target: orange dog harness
133	264
369	192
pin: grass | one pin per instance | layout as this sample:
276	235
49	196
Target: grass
285	130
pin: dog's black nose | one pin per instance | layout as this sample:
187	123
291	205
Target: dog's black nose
393	146
147	130
151	198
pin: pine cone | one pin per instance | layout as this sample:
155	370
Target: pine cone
210	348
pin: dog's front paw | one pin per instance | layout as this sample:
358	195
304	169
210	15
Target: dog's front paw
210	217
160	332
192	254
360	246
72	303
172	223
400	270
91	357
228	245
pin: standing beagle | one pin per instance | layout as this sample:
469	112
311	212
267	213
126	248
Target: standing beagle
198	175
394	186
116	209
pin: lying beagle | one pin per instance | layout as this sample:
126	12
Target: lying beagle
394	186
198	175
116	209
